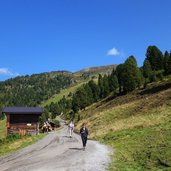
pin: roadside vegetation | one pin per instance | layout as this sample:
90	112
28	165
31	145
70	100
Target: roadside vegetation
15	142
2	129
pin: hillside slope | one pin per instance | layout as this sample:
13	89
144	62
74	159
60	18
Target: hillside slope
64	92
137	125
95	71
32	90
44	88
79	78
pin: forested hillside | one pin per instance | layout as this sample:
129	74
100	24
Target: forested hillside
32	90
38	89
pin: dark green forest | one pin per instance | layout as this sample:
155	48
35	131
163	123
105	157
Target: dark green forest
32	90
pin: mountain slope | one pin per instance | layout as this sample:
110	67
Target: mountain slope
137	125
95	71
44	88
80	78
31	90
64	92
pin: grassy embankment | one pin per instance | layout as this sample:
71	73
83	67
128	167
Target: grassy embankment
2	129
14	143
137	126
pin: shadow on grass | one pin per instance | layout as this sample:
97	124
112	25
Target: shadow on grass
156	89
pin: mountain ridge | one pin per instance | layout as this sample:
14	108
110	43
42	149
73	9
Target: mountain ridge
32	90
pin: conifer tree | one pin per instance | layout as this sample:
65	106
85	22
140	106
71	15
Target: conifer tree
120	76
147	71
100	84
95	90
155	57
80	99
131	76
75	102
88	94
113	82
106	89
167	63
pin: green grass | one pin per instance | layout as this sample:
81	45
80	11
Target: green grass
142	147
2	129
12	144
64	92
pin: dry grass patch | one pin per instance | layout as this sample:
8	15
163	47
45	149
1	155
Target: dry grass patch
125	116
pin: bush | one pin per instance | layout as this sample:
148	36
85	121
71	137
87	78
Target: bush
10	138
13	137
2	116
56	122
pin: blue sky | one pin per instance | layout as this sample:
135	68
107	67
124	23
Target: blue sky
49	35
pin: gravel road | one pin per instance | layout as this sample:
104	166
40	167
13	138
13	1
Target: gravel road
58	152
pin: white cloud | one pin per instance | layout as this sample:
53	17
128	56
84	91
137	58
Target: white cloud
113	52
6	71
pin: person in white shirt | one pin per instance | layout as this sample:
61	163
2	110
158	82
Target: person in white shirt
71	128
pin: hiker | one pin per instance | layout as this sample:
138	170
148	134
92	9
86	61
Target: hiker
71	128
84	134
45	127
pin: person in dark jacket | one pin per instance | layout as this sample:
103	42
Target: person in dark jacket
84	134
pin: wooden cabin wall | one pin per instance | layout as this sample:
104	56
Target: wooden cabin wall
22	124
23	128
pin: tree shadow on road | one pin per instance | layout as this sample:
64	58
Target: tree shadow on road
76	148
66	136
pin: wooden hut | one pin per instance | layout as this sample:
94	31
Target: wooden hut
22	120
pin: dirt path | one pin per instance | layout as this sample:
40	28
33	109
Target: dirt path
58	152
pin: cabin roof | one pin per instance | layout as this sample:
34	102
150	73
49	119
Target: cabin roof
23	110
